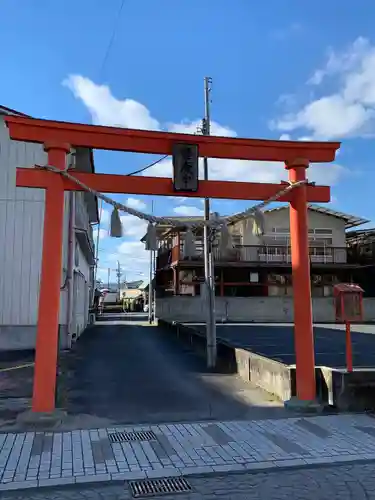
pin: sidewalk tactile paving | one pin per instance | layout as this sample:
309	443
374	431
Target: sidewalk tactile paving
30	460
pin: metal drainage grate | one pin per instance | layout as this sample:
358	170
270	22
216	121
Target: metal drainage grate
152	487
120	437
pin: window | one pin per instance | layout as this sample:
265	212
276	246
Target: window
321	251
321	236
318	236
237	239
280	234
320	242
322	231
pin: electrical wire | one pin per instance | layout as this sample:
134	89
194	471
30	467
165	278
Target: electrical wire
100	74
112	38
147	166
151	164
101	211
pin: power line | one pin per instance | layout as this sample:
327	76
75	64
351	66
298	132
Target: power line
155	162
147	166
112	38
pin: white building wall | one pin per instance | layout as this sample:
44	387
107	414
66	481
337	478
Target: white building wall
280	218
81	290
21	237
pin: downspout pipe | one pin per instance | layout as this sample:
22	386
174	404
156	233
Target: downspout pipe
71	238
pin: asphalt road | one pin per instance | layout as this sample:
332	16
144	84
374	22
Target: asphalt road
128	373
277	342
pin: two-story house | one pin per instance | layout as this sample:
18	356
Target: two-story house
259	266
361	250
21	232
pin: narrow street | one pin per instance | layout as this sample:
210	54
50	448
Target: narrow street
133	373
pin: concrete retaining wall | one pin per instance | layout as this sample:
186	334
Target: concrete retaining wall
272	376
344	391
23	338
256	309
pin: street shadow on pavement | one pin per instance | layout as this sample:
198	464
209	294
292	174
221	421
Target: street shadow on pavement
132	374
126	373
16	384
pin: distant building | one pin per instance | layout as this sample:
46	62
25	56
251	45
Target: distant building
133	289
253	280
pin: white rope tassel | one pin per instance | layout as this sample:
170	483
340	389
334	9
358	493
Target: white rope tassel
258	223
115	230
151	237
226	241
189	244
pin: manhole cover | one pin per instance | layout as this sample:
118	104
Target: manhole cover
152	487
120	437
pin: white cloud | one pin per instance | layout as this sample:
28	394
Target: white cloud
177	199
348	112
254	171
104	217
133	249
136	203
191	127
103	233
104	226
133	226
338	63
133	256
105	109
188	210
328	117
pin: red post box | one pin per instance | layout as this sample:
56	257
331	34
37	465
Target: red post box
348	302
348	308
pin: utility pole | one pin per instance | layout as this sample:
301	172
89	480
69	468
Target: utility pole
118	273
208	256
109	276
150	287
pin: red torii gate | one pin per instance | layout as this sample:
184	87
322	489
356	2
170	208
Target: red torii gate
59	137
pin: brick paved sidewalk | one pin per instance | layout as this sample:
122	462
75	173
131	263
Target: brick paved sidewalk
29	460
335	482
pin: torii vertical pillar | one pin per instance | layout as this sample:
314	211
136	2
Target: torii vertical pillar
44	391
303	321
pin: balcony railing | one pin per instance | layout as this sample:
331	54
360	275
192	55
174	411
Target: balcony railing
269	254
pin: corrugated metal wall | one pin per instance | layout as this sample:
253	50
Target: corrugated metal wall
21	230
81	292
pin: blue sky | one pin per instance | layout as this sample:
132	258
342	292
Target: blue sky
280	69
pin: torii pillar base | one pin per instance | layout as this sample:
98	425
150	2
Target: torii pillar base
303	406
41	420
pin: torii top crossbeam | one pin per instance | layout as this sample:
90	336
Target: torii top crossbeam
144	141
59	137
